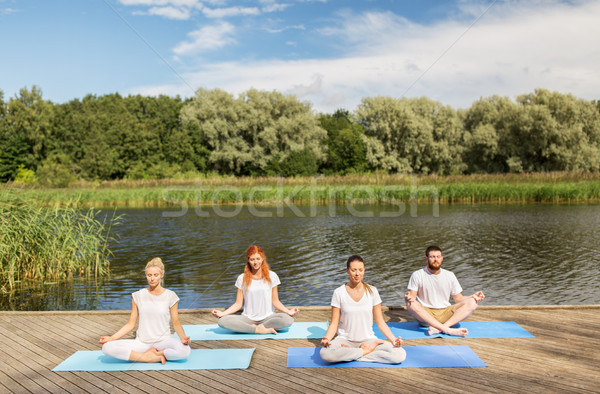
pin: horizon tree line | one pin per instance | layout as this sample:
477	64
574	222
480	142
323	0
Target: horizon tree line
267	133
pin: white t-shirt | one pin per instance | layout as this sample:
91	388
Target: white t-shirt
154	314
434	291
258	297
356	318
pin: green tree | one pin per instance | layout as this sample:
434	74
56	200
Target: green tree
245	134
24	132
112	137
542	131
487	134
564	130
299	163
56	171
346	151
411	135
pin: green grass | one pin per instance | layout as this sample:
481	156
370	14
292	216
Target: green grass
45	244
563	187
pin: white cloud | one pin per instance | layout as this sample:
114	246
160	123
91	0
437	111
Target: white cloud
171	12
229	12
513	49
275	7
282	29
151	3
8	11
207	38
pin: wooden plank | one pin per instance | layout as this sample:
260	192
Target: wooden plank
37	354
560	358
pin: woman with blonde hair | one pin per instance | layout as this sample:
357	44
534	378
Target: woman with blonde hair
354	306
156	307
257	293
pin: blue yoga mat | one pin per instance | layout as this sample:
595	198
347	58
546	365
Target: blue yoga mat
477	329
416	357
298	330
95	360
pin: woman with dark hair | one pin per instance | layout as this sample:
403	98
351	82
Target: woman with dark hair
257	293
354	306
156	307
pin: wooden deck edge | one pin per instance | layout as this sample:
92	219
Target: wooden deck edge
306	308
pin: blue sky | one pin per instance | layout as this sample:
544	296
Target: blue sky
331	53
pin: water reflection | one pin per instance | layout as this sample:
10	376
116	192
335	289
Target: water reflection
516	254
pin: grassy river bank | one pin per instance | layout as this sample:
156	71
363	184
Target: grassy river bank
558	187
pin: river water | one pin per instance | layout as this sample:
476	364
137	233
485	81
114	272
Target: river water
517	254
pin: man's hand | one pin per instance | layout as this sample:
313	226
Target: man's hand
479	296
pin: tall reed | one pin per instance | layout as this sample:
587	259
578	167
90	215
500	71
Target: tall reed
375	188
40	243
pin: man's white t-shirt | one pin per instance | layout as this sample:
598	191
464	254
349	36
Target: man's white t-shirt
356	318
154	314
258	297
434	291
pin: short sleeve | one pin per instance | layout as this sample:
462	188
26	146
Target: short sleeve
336	299
413	282
456	287
136	297
239	282
173	299
375	296
274	279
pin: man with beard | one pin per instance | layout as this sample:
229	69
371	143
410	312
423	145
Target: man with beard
429	291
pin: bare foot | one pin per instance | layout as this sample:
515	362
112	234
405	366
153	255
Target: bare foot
459	332
433	331
261	329
158	352
150	356
369	347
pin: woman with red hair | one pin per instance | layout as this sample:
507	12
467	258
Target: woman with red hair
257	293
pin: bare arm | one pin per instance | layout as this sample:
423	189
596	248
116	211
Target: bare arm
458	298
237	305
383	327
177	324
278	305
130	325
333	326
410	296
479	296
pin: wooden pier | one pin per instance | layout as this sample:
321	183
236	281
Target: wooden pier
563	357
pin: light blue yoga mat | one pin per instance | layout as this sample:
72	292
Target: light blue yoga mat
477	329
298	330
416	357
95	360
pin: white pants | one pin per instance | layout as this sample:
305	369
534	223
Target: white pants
239	323
122	348
385	353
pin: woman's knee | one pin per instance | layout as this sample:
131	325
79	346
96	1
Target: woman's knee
186	351
286	319
108	348
327	354
116	350
398	355
222	321
179	352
